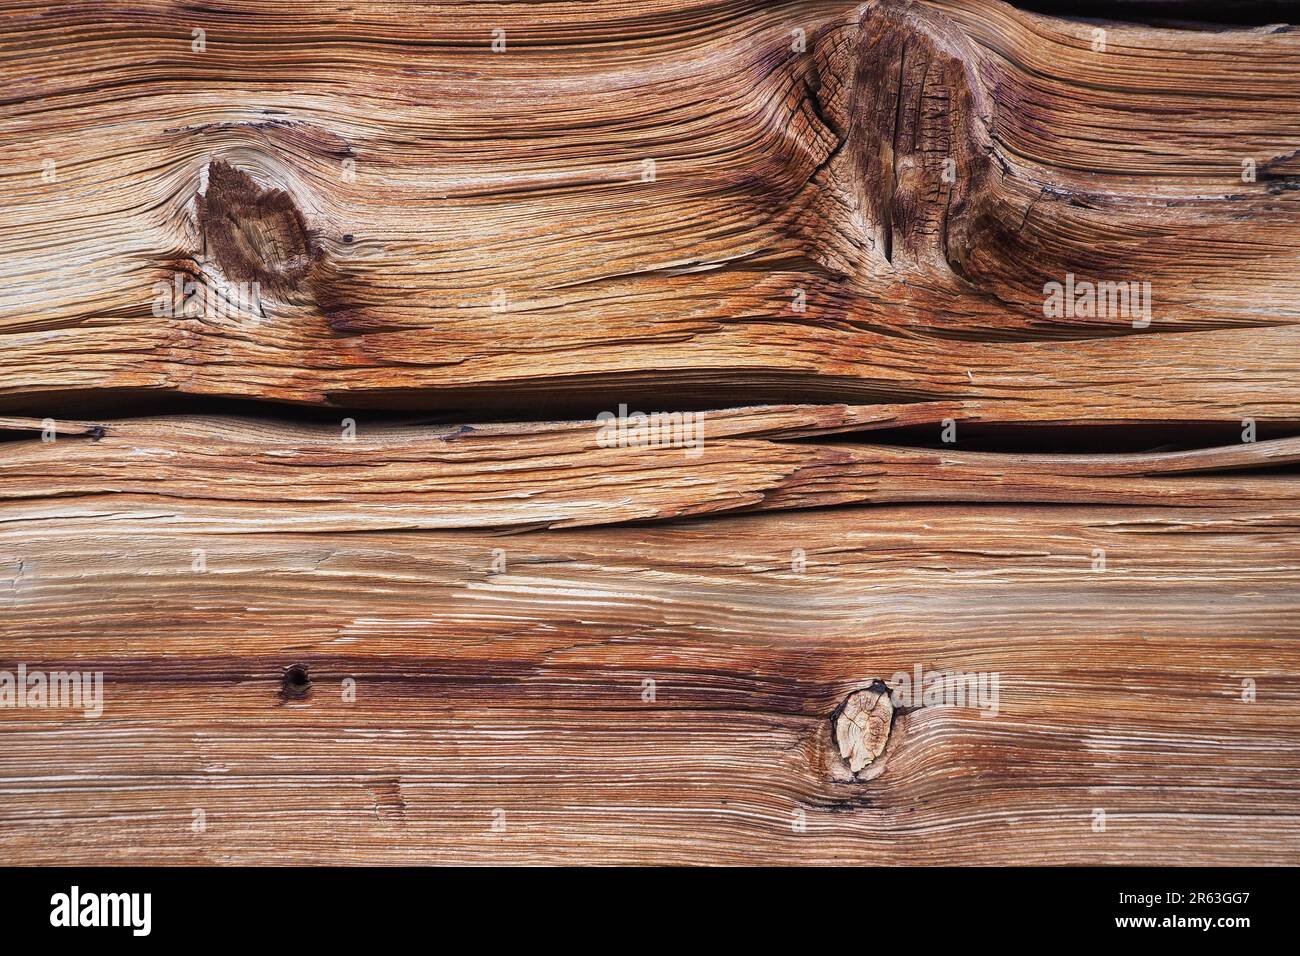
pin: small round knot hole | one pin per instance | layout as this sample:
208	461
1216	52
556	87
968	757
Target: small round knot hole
295	682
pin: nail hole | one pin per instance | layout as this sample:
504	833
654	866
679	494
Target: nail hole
295	682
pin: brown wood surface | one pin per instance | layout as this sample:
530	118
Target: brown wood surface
366	583
523	691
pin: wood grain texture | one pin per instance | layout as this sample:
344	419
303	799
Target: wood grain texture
435	224
366	576
229	474
522	691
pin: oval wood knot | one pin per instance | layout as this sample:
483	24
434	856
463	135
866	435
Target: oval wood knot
255	234
861	725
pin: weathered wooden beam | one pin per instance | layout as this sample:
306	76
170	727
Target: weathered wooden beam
254	475
664	694
710	201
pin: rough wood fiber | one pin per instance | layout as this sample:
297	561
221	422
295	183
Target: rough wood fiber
230	474
447	622
437	224
524	691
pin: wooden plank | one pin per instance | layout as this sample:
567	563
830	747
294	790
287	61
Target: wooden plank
225	474
524	691
435	224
